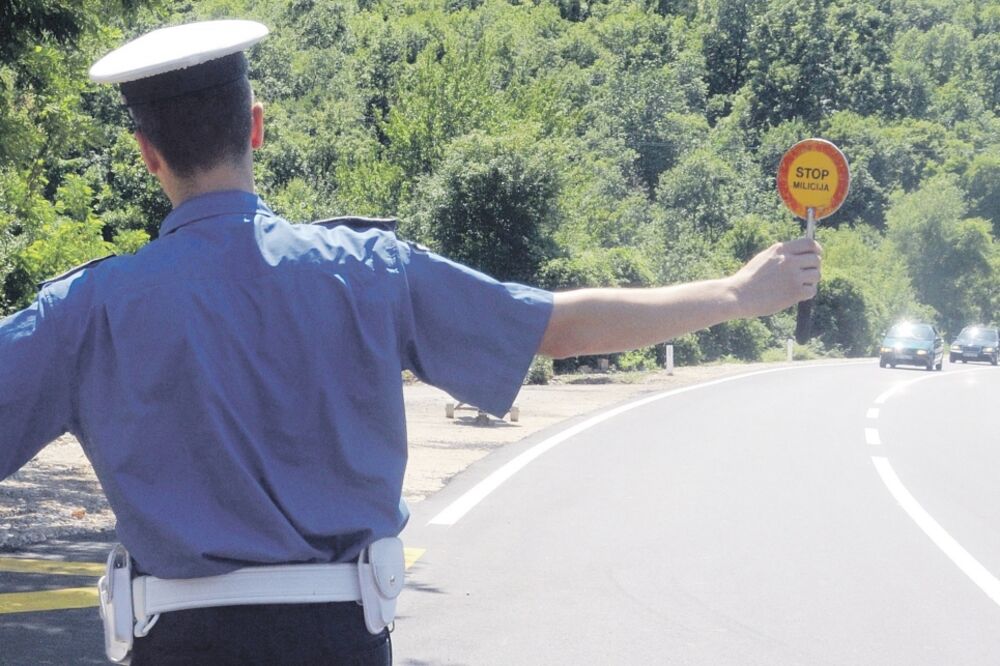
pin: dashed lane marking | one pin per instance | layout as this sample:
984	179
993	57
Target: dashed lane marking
871	437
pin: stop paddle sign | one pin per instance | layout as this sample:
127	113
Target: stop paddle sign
813	180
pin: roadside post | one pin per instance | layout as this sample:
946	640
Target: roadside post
813	181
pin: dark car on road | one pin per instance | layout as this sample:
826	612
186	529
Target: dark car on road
912	344
975	343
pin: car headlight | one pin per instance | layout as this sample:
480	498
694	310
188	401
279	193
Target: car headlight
988	350
956	348
886	350
921	352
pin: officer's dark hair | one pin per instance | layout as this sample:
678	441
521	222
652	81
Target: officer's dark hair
199	130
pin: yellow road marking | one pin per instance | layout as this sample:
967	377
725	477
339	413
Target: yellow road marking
411	555
28	602
23	565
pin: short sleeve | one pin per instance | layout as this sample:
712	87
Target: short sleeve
34	389
467	333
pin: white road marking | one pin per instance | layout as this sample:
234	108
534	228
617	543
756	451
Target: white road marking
454	511
871	437
872	413
901	385
931	375
979	575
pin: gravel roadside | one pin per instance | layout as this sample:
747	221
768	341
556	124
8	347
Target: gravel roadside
57	495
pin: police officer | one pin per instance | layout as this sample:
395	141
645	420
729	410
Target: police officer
236	383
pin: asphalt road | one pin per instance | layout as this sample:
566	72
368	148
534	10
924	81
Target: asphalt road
826	515
838	514
58	581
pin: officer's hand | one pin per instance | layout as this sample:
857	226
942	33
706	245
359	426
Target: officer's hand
779	277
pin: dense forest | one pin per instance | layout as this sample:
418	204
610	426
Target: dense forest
558	142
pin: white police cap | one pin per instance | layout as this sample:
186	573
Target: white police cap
181	59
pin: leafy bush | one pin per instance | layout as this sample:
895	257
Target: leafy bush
774	355
615	267
745	339
810	351
540	372
687	351
637	359
840	318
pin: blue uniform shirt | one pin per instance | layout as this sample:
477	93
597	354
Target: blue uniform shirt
237	385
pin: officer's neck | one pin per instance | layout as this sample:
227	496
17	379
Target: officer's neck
219	178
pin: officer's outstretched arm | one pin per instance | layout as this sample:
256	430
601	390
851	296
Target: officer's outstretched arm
35	385
601	321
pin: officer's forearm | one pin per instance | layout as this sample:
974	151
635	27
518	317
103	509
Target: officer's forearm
602	321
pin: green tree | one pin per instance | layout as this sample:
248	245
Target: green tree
46	129
861	257
948	256
791	71
863	33
840	317
490	205
982	182
986	59
705	189
884	157
645	110
727	49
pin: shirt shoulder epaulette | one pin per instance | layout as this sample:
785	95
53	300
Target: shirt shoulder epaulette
360	223
74	270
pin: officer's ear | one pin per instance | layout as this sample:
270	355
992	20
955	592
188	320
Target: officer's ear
150	155
257	125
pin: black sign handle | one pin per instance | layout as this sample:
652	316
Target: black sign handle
803	317
803	322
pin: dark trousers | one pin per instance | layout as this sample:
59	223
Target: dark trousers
271	635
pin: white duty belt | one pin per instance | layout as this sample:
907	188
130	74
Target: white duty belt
283	584
374	581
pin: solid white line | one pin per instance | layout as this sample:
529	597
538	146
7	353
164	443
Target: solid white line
872	413
454	511
901	385
979	575
871	436
931	375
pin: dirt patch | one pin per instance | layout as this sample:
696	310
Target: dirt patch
57	494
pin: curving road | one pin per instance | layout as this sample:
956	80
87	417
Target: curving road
835	514
828	514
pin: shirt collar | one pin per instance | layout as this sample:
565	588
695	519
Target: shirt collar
213	204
